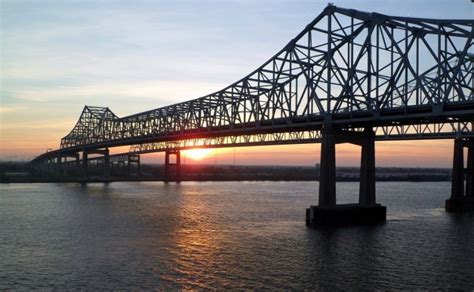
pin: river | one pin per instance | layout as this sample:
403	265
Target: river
225	235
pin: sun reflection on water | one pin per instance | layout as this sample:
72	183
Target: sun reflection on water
198	241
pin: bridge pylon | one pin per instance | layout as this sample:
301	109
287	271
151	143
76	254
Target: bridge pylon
84	168
172	169
106	162
328	212
63	166
133	159
462	195
56	166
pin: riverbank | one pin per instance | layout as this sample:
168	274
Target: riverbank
17	173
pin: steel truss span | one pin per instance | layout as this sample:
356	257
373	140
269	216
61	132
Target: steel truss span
347	68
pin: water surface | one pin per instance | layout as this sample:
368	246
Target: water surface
227	235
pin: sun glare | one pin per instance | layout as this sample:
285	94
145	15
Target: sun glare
198	154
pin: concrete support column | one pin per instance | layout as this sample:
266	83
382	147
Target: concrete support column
457	186
367	169
78	164
48	167
327	180
366	211
176	165
84	164
112	169
59	167
120	167
470	170
461	201
167	166
139	173
106	163
52	167
65	169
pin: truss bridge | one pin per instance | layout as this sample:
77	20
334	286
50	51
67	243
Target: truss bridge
348	77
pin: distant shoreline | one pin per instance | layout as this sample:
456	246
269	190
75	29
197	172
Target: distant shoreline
92	180
17	173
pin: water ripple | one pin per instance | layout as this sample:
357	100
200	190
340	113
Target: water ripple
226	235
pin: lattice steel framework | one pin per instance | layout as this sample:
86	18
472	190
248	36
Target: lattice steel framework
347	67
95	123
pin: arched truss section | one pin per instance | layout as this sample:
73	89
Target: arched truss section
93	126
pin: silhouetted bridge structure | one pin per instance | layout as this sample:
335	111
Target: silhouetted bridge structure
348	77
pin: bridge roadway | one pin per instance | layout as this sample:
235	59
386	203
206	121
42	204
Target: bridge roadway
348	77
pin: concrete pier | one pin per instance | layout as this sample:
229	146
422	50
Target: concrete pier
327	181
328	213
85	172
462	197
133	159
455	205
173	170
345	215
105	162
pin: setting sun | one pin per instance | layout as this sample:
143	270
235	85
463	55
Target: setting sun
198	154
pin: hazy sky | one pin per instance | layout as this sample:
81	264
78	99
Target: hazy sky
57	56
